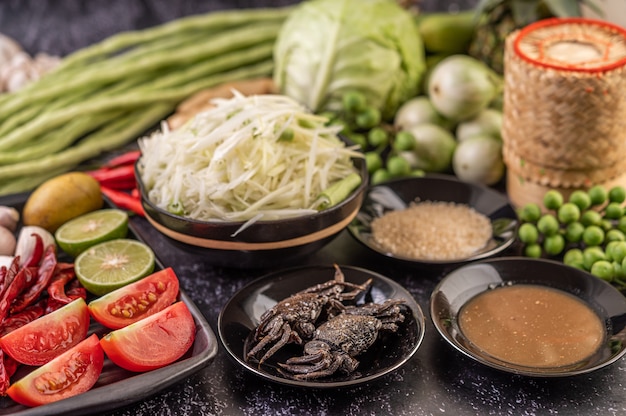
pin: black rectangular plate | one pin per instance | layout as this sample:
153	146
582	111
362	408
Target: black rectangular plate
117	387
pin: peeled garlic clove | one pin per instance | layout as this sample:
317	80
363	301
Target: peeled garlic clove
7	242
6	261
26	243
9	217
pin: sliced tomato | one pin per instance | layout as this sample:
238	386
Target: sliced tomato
41	340
153	342
137	300
71	373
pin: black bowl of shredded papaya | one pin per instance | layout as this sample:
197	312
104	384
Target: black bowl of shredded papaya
253	182
435	221
263	243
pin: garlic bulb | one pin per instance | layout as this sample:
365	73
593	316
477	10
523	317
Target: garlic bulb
18	68
8	48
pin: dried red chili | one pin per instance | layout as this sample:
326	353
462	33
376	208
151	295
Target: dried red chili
44	275
22	279
17	320
35	255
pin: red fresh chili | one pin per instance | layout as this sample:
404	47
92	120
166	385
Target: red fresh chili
128	158
124	200
121	177
44	275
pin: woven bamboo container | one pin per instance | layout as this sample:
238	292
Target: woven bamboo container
564	117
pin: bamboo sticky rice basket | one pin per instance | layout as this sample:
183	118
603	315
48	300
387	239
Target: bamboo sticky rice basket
564	124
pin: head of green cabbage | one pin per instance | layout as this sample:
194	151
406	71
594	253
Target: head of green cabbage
328	47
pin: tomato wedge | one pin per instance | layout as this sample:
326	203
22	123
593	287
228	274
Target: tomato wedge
71	373
41	340
137	300
153	342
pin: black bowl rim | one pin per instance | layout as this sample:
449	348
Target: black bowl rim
361	169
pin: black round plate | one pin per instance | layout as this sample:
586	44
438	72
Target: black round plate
464	283
398	194
241	315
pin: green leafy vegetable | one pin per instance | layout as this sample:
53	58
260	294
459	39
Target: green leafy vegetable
327	48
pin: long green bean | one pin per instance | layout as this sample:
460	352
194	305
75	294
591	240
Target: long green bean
40	125
102	141
28	182
216	21
219	44
110	137
105	95
58	139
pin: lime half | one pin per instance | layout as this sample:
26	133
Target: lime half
110	265
80	233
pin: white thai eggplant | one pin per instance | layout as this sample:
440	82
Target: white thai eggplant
432	150
487	123
460	87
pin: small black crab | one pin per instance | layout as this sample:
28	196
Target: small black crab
293	320
339	340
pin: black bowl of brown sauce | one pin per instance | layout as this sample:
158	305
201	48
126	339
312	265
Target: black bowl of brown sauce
532	317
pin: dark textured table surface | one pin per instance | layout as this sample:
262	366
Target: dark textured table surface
437	380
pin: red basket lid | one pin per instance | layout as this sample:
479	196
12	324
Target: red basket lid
573	44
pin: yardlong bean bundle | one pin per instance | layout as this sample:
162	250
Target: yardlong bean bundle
102	97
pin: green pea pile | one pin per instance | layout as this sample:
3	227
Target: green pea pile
363	125
588	230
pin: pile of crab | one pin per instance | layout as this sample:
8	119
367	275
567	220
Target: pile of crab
331	329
